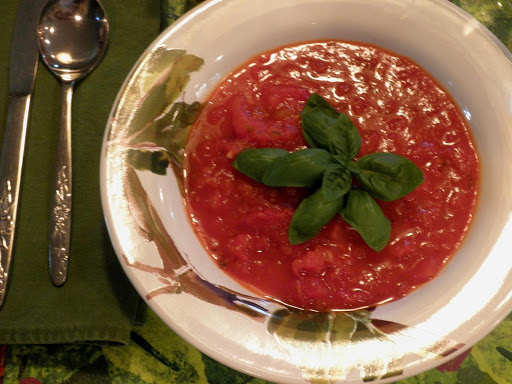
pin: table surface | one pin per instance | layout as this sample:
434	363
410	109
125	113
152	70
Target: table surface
156	354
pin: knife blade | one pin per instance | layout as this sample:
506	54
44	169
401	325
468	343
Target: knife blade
22	72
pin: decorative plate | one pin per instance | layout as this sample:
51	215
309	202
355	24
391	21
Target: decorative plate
148	224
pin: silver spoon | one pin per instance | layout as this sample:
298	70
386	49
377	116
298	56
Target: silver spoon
72	37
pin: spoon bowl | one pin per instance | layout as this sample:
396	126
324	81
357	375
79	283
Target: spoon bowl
72	36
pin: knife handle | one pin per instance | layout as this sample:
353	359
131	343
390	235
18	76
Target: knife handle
60	218
11	162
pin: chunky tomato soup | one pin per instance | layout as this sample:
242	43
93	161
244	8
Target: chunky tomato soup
397	107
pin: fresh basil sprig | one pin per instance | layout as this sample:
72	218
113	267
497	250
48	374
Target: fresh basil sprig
329	167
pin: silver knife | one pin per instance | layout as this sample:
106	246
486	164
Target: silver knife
22	67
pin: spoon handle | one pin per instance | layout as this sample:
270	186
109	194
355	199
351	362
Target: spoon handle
60	223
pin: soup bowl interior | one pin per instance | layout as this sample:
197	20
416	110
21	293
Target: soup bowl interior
468	298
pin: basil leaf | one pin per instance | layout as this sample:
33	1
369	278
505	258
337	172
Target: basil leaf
254	162
326	128
315	128
297	169
388	176
336	182
367	218
311	216
318	103
352	166
317	118
344	138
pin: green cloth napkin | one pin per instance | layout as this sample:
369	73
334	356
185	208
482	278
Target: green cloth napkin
97	303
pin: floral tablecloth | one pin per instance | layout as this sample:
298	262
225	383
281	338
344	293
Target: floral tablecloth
155	354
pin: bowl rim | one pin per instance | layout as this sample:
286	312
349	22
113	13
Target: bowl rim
198	342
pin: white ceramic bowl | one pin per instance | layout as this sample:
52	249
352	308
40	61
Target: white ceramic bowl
171	270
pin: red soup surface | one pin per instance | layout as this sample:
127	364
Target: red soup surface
397	107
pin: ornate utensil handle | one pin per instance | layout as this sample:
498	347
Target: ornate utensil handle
11	163
60	223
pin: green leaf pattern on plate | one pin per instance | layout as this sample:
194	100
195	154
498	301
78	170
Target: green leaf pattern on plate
156	133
